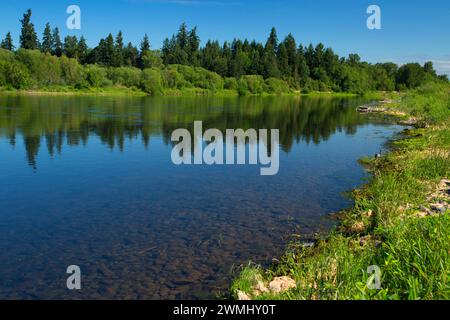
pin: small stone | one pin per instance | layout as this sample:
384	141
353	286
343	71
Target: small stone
260	288
358	227
282	284
369	213
243	296
438	207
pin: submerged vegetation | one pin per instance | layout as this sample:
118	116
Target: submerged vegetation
400	222
182	66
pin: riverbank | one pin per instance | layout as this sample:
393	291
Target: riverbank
186	92
399	224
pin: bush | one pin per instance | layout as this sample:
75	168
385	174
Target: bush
125	76
230	84
96	76
252	84
199	77
43	68
16	75
152	59
276	86
151	81
72	71
172	78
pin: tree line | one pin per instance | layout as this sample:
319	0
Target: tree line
306	68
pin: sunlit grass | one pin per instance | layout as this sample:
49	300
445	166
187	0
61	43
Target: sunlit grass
383	228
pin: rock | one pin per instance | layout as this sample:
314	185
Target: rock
438	207
282	284
242	296
369	213
260	288
358	227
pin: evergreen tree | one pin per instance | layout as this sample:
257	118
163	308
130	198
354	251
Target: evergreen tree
7	43
303	69
145	44
193	47
291	51
131	55
47	39
71	46
57	44
227	56
28	36
270	59
83	50
182	37
118	57
283	61
145	49
108	51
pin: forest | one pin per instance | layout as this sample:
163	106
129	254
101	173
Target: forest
182	65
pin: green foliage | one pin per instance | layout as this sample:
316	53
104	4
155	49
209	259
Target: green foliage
151	59
125	76
7	43
430	102
44	69
306	68
252	84
96	76
28	36
72	72
151	81
410	75
276	86
383	227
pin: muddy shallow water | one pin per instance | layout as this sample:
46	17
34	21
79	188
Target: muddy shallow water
89	181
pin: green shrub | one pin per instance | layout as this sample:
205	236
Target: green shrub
125	76
172	78
96	76
253	84
230	84
276	86
44	68
72	71
151	81
16	75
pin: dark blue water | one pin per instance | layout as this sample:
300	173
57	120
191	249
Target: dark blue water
90	182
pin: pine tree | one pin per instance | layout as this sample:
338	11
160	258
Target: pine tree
7	43
270	59
57	44
71	46
82	50
28	36
283	60
47	39
131	55
107	50
145	44
145	49
118	56
193	47
291	50
182	36
303	69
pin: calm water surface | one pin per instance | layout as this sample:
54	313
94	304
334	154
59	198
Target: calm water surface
89	181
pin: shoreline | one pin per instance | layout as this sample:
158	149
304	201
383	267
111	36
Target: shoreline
193	92
399	221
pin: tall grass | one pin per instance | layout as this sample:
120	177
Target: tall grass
383	227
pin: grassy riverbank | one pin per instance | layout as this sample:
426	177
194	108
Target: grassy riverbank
185	92
400	221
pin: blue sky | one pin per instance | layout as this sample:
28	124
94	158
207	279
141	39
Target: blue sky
413	30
